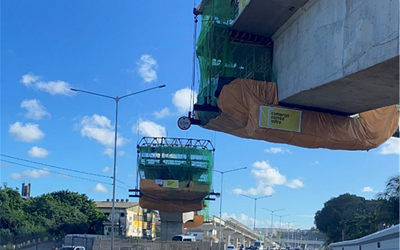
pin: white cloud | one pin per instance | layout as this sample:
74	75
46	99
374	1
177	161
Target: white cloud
273	150
181	99
35	110
35	174
295	184
391	146
15	176
99	188
38	152
28	79
109	152
106	169
367	189
259	190
307	215
52	87
99	128
55	87
267	175
315	163
147	68
26	133
151	129
163	113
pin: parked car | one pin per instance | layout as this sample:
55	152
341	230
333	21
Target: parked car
72	248
184	237
231	247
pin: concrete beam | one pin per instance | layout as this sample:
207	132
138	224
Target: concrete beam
264	17
340	56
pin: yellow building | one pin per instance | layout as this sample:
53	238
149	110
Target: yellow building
130	220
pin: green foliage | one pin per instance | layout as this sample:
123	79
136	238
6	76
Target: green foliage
357	217
57	214
350	213
387	211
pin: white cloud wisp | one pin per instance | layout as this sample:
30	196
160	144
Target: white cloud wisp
35	110
147	68
52	87
99	128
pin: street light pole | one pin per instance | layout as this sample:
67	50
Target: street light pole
255	207
280	226
272	219
220	201
116	99
288	234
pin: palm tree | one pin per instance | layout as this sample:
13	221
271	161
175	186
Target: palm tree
387	211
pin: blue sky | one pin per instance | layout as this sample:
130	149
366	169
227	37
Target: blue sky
122	47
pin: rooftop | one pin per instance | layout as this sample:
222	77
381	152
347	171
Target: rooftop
119	204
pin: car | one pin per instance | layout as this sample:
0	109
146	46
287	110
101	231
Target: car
72	248
184	237
231	247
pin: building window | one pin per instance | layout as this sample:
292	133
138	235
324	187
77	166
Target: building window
122	214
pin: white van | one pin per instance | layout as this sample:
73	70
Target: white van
184	237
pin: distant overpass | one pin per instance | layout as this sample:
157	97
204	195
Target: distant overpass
231	230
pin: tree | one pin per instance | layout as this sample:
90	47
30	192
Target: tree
64	212
57	213
348	214
387	211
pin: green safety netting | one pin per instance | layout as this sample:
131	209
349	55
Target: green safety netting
184	160
175	163
224	52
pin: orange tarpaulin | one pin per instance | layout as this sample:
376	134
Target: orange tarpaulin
240	101
187	197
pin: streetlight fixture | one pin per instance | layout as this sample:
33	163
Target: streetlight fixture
272	218
255	206
220	201
116	99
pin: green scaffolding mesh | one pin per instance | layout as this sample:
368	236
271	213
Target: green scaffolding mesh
224	52
176	159
175	163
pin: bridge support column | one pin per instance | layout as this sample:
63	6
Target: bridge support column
228	240
237	242
172	224
243	240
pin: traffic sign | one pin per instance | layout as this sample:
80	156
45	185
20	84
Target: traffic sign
184	123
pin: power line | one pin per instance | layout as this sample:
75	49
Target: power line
64	174
52	166
67	169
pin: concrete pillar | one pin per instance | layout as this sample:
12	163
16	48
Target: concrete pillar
171	224
243	240
237	242
228	240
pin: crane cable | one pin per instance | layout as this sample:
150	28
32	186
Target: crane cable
191	111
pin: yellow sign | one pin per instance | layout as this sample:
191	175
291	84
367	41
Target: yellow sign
279	118
171	183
